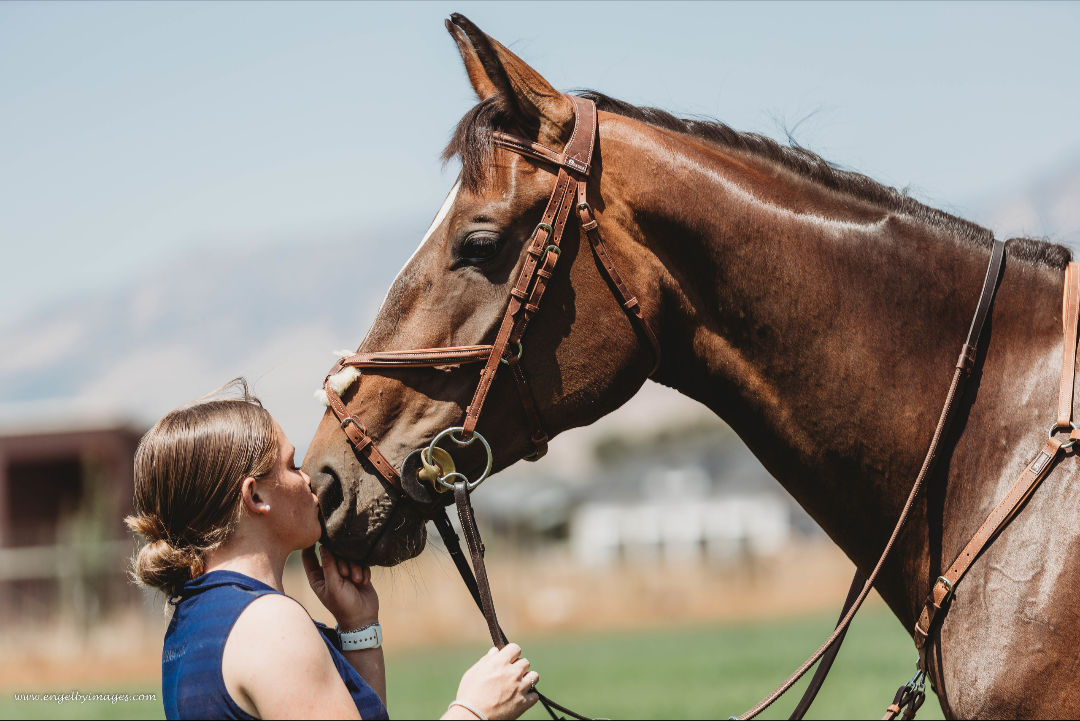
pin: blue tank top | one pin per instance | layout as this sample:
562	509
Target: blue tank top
205	611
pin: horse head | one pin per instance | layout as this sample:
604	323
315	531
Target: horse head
581	355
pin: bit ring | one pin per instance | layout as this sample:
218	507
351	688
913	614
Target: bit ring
1054	429
445	480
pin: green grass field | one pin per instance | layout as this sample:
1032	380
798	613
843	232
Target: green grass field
684	672
699	672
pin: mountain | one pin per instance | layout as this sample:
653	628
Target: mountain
1046	207
271	313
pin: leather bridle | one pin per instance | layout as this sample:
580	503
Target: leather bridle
542	254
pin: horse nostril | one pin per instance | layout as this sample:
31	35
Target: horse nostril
327	486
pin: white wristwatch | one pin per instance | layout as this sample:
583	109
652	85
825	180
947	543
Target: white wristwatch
361	638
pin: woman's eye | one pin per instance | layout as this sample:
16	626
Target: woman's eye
479	248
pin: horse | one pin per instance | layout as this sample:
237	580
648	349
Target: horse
814	310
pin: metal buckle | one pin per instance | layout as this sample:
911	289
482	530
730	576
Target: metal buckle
1054	429
355	422
584	206
520	350
539	227
445	480
948	586
554	249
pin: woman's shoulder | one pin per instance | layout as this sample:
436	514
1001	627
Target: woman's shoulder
276	661
276	621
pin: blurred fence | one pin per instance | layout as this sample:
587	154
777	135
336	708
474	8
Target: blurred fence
66	483
720	528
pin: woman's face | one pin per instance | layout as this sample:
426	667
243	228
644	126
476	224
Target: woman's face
294	508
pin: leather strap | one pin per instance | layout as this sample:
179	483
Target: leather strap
521	146
943	588
537	435
476	549
825	666
423	358
960	376
986	299
629	302
942	591
478	583
453	547
909	699
541	237
579	149
360	440
1069	314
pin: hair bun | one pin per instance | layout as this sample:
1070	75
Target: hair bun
149	528
161	564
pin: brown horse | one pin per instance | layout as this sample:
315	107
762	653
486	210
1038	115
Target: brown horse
816	311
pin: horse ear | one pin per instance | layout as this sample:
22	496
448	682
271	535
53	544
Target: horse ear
538	106
481	83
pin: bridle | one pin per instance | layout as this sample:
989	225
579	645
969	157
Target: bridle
542	254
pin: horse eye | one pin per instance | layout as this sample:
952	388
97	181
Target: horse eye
480	247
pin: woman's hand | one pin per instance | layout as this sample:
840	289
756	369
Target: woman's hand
344	587
499	686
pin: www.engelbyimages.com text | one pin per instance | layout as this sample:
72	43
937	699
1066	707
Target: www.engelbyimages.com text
77	697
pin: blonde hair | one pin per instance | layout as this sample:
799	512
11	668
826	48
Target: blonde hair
188	473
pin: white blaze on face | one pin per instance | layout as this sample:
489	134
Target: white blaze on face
347	377
440	216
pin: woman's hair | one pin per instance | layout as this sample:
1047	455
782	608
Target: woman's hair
188	472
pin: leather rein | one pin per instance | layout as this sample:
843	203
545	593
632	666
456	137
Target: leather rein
542	253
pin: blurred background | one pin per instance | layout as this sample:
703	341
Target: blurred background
173	178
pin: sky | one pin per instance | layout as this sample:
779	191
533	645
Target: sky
134	133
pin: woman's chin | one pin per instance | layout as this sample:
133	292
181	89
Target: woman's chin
313	536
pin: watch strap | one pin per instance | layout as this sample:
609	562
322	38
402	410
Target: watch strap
362	638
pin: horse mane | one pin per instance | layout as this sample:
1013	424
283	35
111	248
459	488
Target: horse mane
471	142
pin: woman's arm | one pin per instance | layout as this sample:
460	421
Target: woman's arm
275	664
344	587
499	685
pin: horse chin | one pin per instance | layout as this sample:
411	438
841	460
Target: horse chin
403	536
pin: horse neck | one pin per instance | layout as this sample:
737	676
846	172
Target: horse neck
823	328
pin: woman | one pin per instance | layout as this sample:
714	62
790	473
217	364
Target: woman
222	503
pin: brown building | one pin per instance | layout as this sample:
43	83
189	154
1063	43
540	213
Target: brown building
66	484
